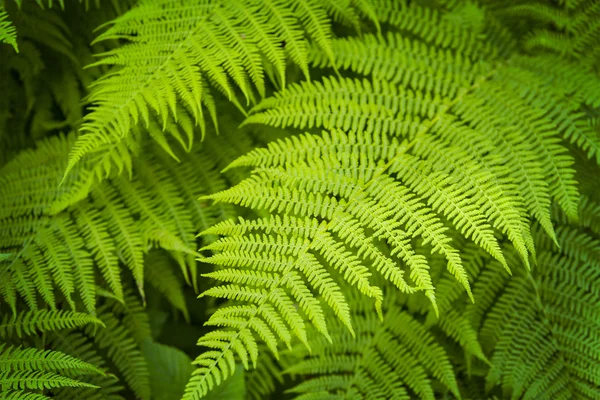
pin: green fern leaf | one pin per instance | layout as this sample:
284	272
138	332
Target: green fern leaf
393	358
123	351
34	322
541	329
22	369
207	43
8	33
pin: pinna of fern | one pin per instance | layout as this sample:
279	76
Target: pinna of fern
8	33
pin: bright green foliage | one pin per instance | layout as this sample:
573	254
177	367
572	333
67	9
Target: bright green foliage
54	246
178	50
403	193
482	152
32	369
34	322
382	360
8	34
542	329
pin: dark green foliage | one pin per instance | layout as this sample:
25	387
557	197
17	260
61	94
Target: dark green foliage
340	198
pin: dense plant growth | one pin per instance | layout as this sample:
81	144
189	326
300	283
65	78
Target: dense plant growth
331	198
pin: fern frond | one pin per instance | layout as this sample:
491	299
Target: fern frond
34	322
33	369
119	222
123	351
541	329
324	203
8	33
175	51
432	27
466	163
381	108
396	357
399	59
30	359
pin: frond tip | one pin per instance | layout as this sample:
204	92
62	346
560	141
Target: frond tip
8	33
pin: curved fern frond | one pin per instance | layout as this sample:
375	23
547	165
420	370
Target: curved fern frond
384	108
331	216
176	50
477	152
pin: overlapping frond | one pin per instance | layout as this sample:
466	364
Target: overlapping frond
56	255
541	329
572	30
443	168
25	369
397	357
334	206
446	106
177	50
116	347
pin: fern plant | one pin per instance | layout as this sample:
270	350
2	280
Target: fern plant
402	193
